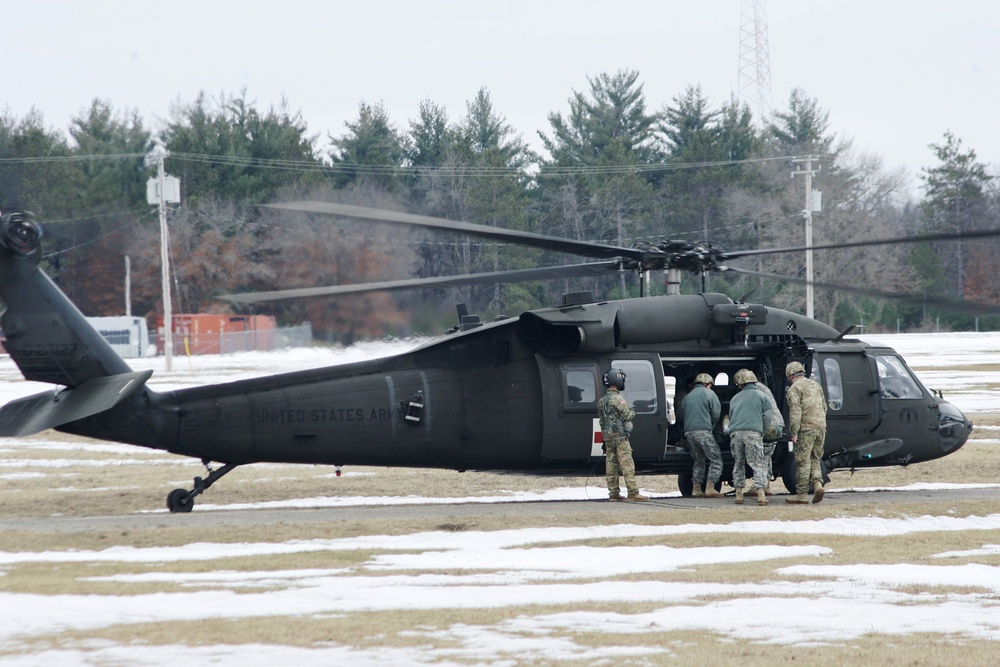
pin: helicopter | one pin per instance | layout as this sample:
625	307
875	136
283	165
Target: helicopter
512	395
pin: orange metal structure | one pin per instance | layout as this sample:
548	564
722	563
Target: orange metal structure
205	333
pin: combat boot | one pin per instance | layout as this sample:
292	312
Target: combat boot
697	492
616	499
767	489
801	499
636	498
761	497
739	496
710	491
818	491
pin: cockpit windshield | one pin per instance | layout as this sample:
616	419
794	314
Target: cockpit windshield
895	380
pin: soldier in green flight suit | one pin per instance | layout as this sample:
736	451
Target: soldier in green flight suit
616	424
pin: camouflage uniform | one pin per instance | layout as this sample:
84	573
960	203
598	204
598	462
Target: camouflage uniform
748	448
807	427
614	412
701	412
776	420
747	411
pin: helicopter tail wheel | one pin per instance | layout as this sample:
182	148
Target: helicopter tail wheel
180	500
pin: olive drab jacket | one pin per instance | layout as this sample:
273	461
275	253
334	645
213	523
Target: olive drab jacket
749	410
702	409
615	415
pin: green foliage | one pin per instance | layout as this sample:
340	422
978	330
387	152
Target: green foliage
119	181
803	128
35	173
230	150
954	201
372	151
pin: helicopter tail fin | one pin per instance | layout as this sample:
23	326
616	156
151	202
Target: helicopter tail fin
50	409
46	335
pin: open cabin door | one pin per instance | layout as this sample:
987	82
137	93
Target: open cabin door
571	389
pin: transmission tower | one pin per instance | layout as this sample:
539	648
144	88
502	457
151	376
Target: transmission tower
754	82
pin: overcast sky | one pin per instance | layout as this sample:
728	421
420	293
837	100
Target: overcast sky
895	75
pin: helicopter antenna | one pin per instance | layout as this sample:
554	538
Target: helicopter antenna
845	332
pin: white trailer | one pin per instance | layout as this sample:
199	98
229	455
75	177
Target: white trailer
127	335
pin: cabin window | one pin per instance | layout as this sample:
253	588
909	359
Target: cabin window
895	380
580	385
834	384
640	385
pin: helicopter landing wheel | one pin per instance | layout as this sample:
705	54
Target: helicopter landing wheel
789	474
179	500
685	483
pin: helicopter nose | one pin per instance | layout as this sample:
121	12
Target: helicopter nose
954	427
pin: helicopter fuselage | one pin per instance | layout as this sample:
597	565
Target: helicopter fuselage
488	399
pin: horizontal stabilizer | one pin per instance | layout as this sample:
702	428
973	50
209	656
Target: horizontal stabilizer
49	409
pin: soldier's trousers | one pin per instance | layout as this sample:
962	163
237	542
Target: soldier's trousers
704	448
808	453
748	448
618	462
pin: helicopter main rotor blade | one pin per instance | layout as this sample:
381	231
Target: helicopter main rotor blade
915	299
957	236
584	248
515	276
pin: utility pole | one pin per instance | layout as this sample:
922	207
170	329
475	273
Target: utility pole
128	286
168	316
811	205
156	193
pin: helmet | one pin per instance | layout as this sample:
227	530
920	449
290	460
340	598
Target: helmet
703	378
615	377
794	368
744	376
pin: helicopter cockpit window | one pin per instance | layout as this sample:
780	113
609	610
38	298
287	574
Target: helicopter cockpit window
834	384
895	380
580	385
640	385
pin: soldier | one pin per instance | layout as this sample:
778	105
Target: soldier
772	431
748	412
701	412
807	426
616	423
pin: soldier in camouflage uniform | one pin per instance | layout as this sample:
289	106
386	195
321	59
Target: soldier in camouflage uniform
777	426
748	412
616	423
702	410
807	426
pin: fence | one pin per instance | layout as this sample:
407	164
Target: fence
230	342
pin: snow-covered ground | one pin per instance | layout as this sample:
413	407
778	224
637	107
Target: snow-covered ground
514	568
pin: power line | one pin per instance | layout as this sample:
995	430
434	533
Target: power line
541	171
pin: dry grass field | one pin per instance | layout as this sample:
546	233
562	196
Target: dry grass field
53	475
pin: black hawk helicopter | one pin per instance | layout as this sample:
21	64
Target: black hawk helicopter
518	394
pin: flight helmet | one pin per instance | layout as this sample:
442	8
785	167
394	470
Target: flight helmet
615	377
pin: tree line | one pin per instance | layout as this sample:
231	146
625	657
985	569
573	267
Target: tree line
613	170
